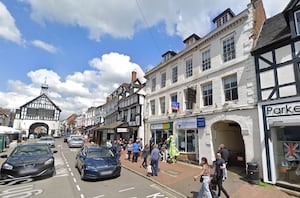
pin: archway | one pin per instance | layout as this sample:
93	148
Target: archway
228	132
39	129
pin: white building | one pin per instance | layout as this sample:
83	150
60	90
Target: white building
39	116
205	95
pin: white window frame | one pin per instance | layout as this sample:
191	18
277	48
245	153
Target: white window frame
228	48
206	61
189	68
153	84
207	94
163	79
230	86
297	23
174	74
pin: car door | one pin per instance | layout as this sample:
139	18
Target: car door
81	157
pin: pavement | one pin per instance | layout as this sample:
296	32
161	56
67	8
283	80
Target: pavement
178	177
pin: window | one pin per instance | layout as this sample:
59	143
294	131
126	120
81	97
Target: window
228	49
230	88
206	60
207	94
186	141
153	85
297	21
174	74
152	106
133	114
174	103
162	102
190	97
188	68
163	79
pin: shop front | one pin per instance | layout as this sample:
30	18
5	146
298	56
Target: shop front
281	135
160	132
187	137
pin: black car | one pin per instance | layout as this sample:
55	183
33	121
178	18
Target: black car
29	160
97	162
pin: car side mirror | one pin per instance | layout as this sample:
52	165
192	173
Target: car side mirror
54	151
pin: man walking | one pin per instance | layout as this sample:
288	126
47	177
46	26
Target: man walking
224	153
154	160
220	166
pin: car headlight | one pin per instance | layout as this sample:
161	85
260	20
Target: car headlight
7	166
88	167
49	161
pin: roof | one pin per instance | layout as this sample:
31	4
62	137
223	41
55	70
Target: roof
42	95
228	10
274	30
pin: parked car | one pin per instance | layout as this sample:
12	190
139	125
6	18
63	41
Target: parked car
66	136
73	135
97	162
47	140
28	160
76	142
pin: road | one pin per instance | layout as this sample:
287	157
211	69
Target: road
67	183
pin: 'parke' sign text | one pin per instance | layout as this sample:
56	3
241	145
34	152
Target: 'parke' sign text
283	109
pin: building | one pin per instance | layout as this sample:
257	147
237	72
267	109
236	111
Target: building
39	116
277	64
123	109
205	95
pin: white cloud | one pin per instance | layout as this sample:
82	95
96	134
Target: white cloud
8	28
78	91
45	46
119	18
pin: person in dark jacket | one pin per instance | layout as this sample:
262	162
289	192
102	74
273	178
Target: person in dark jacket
220	165
154	160
224	153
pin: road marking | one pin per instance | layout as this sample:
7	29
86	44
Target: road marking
74	179
99	196
127	189
23	192
78	188
155	195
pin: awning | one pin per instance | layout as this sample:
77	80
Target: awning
111	126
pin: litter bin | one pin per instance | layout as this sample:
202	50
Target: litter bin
252	173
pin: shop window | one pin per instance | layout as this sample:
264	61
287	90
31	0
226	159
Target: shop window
287	153
186	141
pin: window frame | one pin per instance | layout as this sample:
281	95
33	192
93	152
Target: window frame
206	60
153	84
207	97
228	48
297	23
174	74
152	107
162	103
163	79
188	67
230	88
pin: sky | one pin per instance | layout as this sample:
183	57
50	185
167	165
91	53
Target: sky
84	49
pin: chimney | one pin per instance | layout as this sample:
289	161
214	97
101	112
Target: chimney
133	76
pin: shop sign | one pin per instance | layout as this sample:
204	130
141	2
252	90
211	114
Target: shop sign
200	122
286	109
122	130
167	125
190	123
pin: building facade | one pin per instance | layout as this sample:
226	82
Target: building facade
277	65
205	95
39	116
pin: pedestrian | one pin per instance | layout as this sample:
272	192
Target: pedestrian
205	175
129	148
224	153
220	166
145	154
164	150
118	149
154	160
135	151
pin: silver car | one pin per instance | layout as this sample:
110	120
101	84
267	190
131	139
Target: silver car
47	140
76	141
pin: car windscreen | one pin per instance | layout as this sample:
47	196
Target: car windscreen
77	139
30	151
100	153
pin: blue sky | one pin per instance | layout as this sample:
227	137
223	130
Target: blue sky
85	49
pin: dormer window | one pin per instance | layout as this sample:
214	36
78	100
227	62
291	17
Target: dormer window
297	21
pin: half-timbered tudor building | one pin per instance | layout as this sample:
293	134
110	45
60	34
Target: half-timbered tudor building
39	116
277	63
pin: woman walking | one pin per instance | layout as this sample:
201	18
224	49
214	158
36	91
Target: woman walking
145	154
205	174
